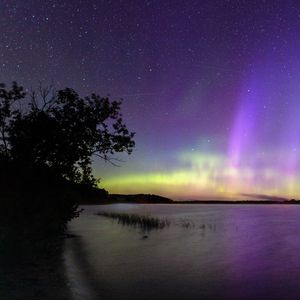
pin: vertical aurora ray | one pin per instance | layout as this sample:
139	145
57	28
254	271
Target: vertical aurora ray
242	135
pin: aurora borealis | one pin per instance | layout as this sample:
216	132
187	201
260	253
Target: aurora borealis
212	88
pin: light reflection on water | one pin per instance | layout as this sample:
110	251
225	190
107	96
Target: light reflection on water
242	252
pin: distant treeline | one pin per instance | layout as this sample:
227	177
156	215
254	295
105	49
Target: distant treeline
293	201
138	198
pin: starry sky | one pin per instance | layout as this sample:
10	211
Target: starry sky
211	88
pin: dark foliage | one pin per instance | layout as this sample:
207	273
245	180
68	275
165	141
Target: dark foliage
47	142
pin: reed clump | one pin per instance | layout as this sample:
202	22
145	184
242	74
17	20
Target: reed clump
188	224
144	222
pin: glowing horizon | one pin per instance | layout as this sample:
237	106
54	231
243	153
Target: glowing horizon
212	176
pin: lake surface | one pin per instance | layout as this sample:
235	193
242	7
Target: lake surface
227	252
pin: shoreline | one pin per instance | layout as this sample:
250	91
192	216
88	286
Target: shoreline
214	202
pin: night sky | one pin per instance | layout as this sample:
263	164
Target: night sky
211	88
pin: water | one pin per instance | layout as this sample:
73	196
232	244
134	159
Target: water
230	252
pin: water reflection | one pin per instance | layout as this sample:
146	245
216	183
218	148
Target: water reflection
83	279
208	252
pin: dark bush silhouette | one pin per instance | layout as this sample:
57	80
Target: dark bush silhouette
47	142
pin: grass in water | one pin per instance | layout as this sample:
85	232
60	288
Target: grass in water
144	222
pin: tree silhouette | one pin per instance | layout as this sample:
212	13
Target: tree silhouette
51	138
7	112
